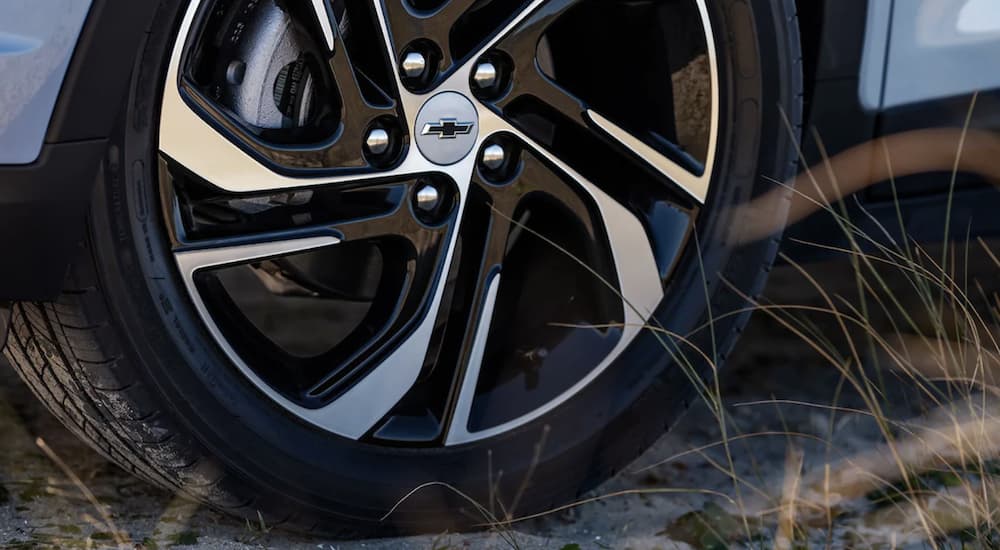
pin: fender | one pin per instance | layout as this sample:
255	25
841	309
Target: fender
43	203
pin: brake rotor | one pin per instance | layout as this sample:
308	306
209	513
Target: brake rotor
266	69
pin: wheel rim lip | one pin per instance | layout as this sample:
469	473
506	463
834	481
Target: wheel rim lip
488	125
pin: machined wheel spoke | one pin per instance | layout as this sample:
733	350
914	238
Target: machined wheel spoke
358	410
325	20
640	285
341	150
249	120
695	185
534	180
626	234
535	92
396	221
362	385
458	431
188	139
192	259
617	255
533	84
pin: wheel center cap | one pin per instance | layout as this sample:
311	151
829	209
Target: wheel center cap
447	127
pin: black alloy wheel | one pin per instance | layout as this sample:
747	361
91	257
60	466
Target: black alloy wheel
342	249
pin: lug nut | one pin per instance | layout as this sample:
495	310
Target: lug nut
427	198
414	64
377	141
485	75
493	156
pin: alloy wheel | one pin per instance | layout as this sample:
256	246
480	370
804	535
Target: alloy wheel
429	222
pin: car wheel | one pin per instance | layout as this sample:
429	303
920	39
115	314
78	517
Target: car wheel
337	253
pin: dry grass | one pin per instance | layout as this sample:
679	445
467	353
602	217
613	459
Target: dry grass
937	331
915	318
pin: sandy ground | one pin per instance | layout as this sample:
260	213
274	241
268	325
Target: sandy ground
39	505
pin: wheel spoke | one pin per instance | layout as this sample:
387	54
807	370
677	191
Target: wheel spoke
408	25
621	259
521	44
635	263
358	410
458	430
693	184
343	152
367	380
325	20
534	93
191	141
448	35
188	139
225	130
191	260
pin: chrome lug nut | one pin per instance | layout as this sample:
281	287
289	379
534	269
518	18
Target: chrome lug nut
377	141
428	198
414	64
485	75
493	156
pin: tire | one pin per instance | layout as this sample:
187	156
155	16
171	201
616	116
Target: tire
123	359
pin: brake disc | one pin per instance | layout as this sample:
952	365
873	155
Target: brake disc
266	67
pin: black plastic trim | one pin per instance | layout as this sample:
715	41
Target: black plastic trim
42	209
43	204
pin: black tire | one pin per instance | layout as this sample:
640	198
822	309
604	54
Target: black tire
122	359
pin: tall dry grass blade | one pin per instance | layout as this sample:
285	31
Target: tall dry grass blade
785	536
954	172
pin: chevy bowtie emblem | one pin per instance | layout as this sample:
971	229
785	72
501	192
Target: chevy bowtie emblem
447	128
